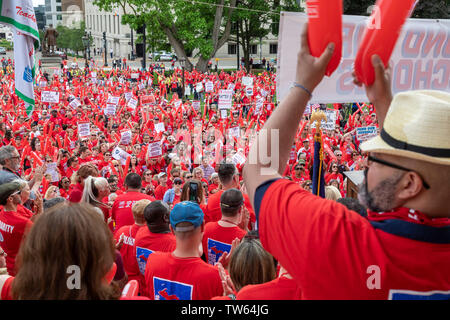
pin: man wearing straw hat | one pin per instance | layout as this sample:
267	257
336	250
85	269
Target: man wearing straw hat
402	249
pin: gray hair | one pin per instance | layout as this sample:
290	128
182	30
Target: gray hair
6	152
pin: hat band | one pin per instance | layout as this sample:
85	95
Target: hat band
434	152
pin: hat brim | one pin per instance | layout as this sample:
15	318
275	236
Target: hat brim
378	145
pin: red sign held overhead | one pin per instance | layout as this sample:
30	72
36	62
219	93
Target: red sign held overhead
150	99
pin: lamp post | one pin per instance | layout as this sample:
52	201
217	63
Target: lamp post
182	63
85	41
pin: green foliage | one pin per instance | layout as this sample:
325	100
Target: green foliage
70	38
8	45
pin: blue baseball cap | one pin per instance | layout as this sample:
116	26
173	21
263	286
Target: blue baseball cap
186	211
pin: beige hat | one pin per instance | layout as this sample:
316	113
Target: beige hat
417	126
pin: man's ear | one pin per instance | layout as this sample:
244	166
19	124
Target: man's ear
171	229
410	186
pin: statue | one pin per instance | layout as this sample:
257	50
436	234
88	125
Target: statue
50	35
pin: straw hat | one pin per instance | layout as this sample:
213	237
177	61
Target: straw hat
417	126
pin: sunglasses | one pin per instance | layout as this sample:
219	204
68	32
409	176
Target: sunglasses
188	177
371	159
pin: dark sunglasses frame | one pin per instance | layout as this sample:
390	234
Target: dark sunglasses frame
371	158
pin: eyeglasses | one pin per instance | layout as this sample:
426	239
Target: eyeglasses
371	159
188	177
15	158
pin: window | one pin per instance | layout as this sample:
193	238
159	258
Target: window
232	48
253	49
273	48
59	17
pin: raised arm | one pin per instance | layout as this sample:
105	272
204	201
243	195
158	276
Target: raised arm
279	131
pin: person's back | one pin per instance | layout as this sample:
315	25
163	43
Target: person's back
218	236
121	211
281	288
182	274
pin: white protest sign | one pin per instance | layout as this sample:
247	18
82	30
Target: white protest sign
135	75
231	86
187	91
247	81
75	103
84	129
93	74
113	100
258	106
249	91
223	113
154	149
125	137
133	103
366	133
238	158
330	124
110	110
420	59
196	105
120	155
225	99
50	96
199	87
234	132
209	86
51	169
128	95
159	127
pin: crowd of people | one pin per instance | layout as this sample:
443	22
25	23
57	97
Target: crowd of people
132	181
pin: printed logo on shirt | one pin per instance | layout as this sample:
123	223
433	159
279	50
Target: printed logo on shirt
418	295
142	256
171	290
216	249
1	237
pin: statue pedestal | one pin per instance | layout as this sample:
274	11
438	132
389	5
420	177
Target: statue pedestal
51	63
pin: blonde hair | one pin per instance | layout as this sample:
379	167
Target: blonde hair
49	191
332	193
92	185
138	209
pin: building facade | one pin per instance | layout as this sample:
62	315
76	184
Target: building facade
118	36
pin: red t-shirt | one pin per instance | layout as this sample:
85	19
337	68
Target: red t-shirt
334	253
218	239
127	249
171	278
281	288
5	287
148	242
121	210
159	192
13	226
214	213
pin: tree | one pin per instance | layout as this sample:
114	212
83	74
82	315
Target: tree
189	26
70	38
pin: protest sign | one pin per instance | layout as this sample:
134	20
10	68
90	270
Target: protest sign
247	81
209	86
75	103
84	129
238	159
110	110
51	169
154	149
113	100
225	99
420	59
135	75
50	96
234	132
330	124
223	113
128	95
133	103
149	99
120	155
366	133
125	137
249	91
196	105
159	127
199	87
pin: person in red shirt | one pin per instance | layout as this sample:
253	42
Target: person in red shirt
182	274
300	173
163	187
155	236
218	236
229	178
121	210
334	173
126	236
403	250
13	225
214	183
